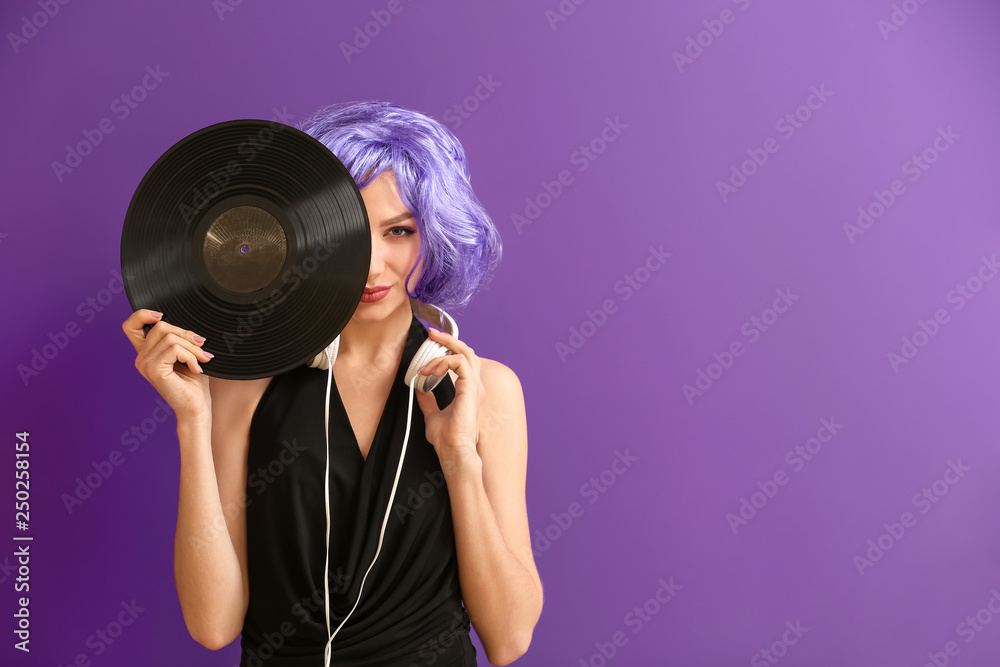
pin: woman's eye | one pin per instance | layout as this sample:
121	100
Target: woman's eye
406	231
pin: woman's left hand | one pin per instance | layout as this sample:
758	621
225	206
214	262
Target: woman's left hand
453	431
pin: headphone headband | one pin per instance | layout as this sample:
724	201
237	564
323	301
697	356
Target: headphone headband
436	316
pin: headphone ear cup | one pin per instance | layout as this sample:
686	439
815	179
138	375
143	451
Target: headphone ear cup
428	351
320	360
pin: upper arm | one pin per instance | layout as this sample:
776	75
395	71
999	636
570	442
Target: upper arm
233	405
503	448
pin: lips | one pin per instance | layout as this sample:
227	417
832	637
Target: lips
375	294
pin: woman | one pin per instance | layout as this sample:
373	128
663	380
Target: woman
249	546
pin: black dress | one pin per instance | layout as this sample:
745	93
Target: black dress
411	610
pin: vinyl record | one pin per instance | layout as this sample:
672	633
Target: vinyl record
254	235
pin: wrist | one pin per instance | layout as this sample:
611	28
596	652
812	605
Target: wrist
460	462
195	422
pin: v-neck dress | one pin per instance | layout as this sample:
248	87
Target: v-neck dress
411	610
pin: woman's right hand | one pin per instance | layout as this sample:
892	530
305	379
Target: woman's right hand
168	357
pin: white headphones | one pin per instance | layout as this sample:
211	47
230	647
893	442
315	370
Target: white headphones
428	351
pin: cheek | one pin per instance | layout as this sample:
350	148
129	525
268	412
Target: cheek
407	260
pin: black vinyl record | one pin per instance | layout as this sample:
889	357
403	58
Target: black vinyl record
254	235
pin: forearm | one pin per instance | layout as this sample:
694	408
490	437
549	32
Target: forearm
206	568
499	592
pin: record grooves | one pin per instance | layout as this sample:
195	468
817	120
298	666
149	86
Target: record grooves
252	234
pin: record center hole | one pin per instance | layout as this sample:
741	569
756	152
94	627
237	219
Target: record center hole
226	248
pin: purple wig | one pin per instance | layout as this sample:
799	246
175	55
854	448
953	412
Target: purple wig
459	244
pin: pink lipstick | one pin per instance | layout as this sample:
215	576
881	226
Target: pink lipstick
376	293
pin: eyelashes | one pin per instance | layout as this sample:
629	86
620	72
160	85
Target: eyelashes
407	232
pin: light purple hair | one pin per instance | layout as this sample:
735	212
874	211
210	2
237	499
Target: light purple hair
459	244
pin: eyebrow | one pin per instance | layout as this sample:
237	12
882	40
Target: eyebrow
399	218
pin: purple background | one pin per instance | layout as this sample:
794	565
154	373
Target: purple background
655	185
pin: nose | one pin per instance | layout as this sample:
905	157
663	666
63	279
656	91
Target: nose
377	262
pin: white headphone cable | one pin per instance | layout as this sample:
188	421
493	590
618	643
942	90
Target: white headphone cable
326	491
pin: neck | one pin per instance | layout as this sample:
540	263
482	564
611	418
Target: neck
364	342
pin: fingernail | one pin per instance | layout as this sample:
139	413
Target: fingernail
157	313
209	355
199	339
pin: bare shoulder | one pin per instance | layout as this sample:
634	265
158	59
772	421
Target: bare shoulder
502	382
500	374
502	416
494	373
502	413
